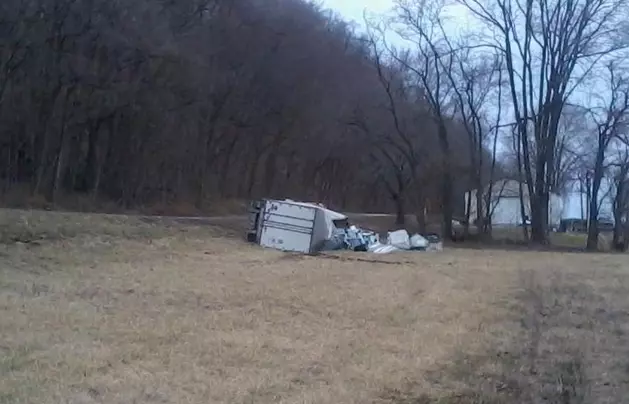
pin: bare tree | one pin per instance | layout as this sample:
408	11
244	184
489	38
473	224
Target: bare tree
473	82
573	142
390	156
403	140
550	47
620	191
428	65
611	120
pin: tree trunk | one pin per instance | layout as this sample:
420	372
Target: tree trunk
618	226
525	229
620	206
588	196
421	215
539	208
270	169
101	161
226	165
480	224
59	163
447	182
478	164
251	179
91	159
468	213
581	198
487	212
204	164
447	204
61	150
592	240
41	141
42	163
400	213
525	226
398	197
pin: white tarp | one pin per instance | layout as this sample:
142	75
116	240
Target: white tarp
418	241
379	248
400	239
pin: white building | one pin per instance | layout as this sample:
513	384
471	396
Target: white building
505	204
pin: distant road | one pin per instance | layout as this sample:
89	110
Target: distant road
185	219
227	218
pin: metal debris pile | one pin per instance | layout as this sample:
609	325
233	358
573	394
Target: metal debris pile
356	239
309	228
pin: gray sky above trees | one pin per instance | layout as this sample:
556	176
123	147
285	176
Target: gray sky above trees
353	9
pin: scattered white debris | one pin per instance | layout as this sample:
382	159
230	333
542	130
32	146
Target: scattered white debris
380	248
418	242
400	239
308	228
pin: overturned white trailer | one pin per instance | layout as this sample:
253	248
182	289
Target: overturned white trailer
292	226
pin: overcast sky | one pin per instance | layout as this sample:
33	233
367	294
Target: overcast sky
353	9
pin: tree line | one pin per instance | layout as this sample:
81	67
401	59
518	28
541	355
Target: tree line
158	101
161	102
547	80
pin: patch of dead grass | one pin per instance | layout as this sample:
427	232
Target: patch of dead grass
181	314
562	342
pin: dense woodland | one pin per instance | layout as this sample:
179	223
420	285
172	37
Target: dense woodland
157	101
193	102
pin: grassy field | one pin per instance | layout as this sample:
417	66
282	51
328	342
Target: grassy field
113	309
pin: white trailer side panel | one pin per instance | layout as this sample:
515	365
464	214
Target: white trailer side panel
287	226
285	240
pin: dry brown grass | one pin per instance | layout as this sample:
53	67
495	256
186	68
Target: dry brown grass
20	196
117	310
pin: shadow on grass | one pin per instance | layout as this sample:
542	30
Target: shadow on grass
563	343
